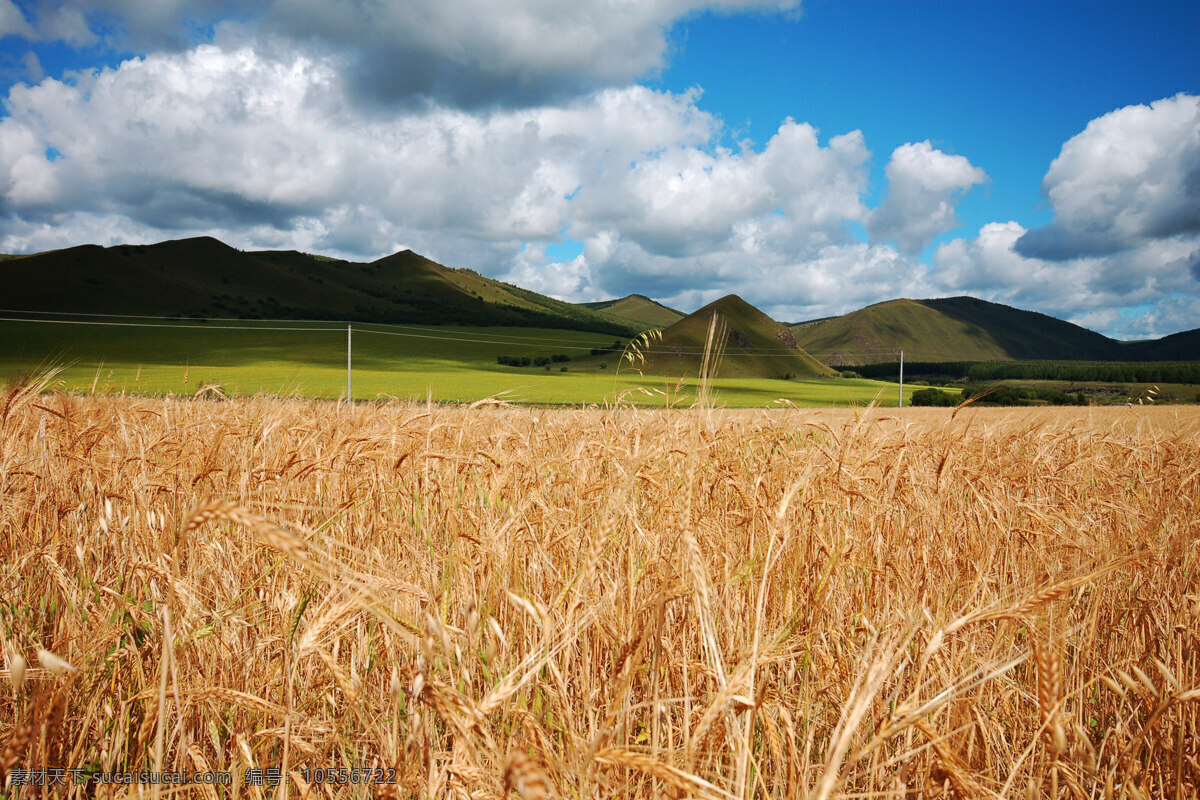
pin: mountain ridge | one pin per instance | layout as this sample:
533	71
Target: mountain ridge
967	328
204	277
639	308
762	347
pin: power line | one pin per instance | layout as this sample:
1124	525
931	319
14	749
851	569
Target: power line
498	336
156	325
145	316
463	339
262	319
759	352
523	341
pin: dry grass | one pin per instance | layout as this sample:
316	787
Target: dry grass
509	602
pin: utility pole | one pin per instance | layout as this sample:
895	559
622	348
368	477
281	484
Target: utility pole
349	391
902	379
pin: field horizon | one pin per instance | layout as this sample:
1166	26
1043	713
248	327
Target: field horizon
448	363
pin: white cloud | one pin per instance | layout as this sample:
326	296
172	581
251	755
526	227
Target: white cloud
231	138
818	280
467	53
1131	176
33	67
123	25
1101	291
686	201
60	22
1168	315
923	186
565	280
839	278
1122	254
12	21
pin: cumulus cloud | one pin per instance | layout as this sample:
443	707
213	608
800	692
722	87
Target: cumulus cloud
1095	291
923	186
688	224
789	284
686	200
988	265
837	278
475	53
128	25
1122	254
1168	315
565	280
33	66
12	21
232	138
1132	176
467	53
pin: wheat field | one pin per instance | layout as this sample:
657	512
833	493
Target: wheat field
511	602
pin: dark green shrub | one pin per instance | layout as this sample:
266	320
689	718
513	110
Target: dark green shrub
933	397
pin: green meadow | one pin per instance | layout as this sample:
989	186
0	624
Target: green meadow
445	363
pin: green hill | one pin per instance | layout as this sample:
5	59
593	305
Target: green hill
639	308
1182	346
756	346
952	329
203	277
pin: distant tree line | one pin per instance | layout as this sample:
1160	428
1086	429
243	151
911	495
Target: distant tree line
1021	396
416	310
998	396
536	361
1114	371
616	347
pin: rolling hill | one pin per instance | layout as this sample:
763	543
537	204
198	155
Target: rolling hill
203	277
756	346
1182	346
969	329
639	308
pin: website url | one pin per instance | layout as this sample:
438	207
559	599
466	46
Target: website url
19	776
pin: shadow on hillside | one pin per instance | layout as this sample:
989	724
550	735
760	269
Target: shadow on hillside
30	343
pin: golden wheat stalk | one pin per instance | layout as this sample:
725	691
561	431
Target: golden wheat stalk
672	776
523	776
1050	695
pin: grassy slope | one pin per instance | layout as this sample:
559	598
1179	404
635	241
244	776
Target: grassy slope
952	329
448	363
1183	346
204	277
757	346
639	308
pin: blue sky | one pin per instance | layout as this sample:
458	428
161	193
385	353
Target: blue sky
813	157
1002	83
